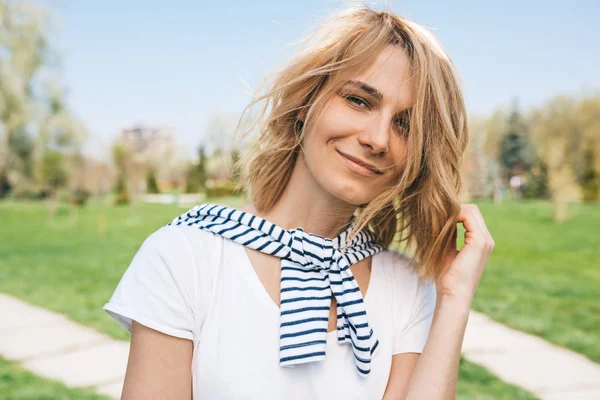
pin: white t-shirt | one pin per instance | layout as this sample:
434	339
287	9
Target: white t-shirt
197	285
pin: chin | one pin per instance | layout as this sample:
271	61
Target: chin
351	193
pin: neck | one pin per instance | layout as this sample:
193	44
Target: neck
304	203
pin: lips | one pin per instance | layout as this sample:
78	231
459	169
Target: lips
361	163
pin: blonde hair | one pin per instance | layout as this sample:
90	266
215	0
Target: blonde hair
421	209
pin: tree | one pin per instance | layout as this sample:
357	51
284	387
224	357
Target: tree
24	51
514	151
537	180
121	191
54	177
591	178
33	118
122	162
196	175
556	131
589	113
53	170
235	165
151	185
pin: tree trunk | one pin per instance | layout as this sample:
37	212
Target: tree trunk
560	210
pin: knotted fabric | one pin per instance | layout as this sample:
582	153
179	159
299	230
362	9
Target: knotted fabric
312	268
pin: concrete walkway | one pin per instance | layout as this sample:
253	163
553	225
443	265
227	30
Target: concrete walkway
549	371
54	347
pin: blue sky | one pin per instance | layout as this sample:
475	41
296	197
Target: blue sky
178	62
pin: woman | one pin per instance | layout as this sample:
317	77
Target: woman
295	296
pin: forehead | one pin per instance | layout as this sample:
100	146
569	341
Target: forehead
389	72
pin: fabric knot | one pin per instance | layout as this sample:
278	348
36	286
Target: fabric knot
311	251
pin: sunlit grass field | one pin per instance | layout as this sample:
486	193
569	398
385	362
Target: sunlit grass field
542	278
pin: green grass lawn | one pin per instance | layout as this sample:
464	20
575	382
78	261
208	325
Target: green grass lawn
542	278
19	384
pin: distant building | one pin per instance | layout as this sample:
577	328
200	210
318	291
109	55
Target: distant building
152	146
142	138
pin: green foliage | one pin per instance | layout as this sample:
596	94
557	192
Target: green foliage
151	185
121	159
536	186
590	184
235	165
4	185
79	197
26	48
227	189
20	146
514	152
195	181
122	194
54	174
191	183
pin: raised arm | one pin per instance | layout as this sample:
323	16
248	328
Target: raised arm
435	371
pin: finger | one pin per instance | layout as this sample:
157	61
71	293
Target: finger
476	214
481	221
467	219
452	248
472	227
453	243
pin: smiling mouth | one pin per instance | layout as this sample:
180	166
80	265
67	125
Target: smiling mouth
358	167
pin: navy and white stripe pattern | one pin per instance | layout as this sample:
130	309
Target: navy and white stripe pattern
312	268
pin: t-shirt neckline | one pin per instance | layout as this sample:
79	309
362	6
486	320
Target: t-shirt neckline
248	265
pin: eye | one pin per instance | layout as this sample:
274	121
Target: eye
402	123
357	101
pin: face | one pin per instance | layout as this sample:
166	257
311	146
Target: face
357	149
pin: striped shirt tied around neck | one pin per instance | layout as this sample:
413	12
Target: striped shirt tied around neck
312	268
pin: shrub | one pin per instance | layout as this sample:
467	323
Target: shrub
223	190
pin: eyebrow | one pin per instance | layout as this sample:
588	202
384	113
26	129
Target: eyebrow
367	88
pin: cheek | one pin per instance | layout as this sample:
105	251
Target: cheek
398	154
338	120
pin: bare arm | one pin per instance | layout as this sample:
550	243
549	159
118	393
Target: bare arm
402	368
159	366
434	373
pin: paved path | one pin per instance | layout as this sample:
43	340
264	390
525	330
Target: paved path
549	371
54	347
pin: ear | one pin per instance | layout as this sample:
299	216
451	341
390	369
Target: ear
299	125
300	118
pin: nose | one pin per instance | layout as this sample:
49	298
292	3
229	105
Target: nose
376	136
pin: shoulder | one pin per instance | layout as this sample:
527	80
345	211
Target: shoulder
190	235
184	227
184	247
400	271
180	239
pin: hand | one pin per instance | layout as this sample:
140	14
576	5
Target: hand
463	268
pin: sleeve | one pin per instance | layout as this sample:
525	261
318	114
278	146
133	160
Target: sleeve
412	338
157	289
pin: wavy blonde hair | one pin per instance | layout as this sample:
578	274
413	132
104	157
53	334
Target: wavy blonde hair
421	209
